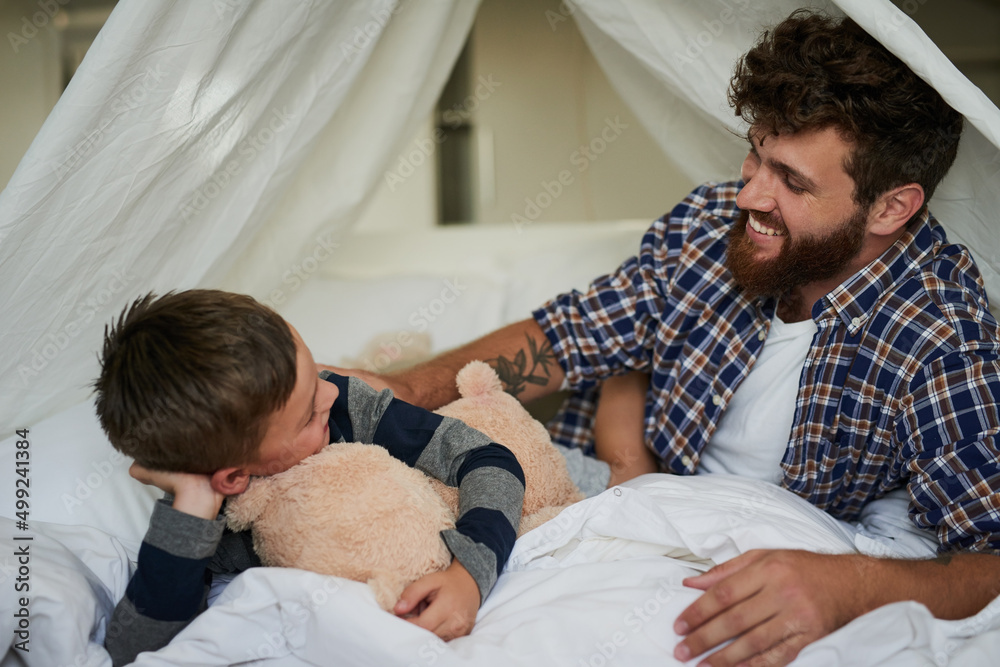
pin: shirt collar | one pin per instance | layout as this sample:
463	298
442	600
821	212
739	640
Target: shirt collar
853	300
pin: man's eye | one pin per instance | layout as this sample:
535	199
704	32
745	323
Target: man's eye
793	188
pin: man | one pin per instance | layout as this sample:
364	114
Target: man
885	335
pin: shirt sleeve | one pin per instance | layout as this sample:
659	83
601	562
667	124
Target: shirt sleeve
610	328
170	585
949	430
489	478
600	332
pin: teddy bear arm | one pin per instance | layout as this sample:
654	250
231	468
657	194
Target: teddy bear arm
387	585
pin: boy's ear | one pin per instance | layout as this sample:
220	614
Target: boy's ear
230	481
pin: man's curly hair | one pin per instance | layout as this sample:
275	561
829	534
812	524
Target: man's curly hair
812	72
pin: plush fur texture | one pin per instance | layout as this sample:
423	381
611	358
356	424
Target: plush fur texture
486	407
354	511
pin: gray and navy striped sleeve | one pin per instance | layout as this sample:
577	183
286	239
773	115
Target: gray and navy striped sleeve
169	586
489	478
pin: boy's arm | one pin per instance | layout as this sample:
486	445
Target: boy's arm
170	584
490	495
489	478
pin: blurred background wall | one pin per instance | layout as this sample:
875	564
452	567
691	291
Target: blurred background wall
528	127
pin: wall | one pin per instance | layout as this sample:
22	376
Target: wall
968	32
411	204
555	113
552	98
549	97
539	97
29	78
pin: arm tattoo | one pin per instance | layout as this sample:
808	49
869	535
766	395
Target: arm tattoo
515	373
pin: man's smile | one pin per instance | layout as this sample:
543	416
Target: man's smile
761	228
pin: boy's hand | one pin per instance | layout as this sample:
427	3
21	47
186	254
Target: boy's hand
193	494
443	602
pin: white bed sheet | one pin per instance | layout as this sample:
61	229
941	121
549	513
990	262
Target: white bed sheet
599	585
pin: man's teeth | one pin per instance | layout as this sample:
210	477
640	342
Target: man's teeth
761	229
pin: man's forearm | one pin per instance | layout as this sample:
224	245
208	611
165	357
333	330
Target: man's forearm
520	353
951	586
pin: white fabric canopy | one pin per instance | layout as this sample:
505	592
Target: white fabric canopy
220	144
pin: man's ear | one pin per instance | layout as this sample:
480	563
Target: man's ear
895	208
230	481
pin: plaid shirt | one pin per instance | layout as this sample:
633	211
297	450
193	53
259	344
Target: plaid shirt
901	384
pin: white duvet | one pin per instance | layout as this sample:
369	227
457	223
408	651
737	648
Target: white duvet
599	585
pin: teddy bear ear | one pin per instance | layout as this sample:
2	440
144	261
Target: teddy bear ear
243	510
478	379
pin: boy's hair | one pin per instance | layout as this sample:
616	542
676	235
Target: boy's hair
188	380
811	72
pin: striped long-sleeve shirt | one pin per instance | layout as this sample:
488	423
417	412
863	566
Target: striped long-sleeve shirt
181	552
901	385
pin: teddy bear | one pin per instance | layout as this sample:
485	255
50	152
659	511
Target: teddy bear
354	511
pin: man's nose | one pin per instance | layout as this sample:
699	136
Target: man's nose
757	193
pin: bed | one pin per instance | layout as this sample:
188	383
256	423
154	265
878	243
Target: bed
140	180
598	585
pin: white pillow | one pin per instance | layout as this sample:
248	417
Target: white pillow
337	318
75	576
77	478
541	272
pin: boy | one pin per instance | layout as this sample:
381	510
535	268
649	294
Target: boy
206	388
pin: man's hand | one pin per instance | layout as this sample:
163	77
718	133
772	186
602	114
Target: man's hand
193	494
443	602
773	604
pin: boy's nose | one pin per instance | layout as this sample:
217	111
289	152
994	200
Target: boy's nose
326	394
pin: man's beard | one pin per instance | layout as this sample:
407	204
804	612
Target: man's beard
799	262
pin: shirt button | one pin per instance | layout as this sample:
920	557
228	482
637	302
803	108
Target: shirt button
856	322
762	335
717	400
686	460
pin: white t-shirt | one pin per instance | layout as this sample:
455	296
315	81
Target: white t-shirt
753	433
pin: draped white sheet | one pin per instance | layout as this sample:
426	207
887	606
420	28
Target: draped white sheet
220	143
186	128
671	62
